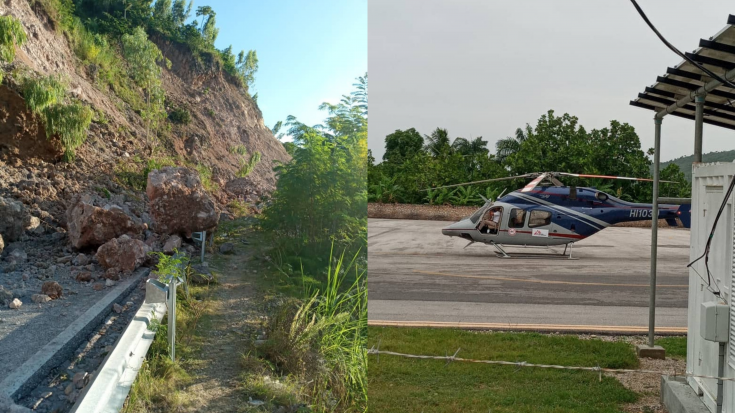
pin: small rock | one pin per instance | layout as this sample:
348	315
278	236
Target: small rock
129	304
2	243
98	287
227	248
69	389
52	289
201	275
33	223
6	296
80	379
84	276
64	260
40	298
109	283
173	243
15	304
81	260
112	274
117	308
17	256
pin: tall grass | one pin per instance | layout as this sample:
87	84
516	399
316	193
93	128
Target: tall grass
323	340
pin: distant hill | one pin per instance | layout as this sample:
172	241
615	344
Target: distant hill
685	162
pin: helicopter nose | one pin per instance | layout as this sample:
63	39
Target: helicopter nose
452	230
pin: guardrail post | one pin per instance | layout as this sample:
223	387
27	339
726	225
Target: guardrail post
172	317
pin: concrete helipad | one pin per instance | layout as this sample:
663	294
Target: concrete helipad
419	277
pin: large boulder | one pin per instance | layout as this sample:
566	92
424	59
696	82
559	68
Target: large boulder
123	253
91	226
179	203
13	219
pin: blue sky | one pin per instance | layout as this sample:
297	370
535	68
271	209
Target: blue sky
309	52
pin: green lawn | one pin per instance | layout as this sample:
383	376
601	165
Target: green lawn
676	347
409	385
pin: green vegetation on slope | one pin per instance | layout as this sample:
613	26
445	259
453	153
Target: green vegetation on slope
12	35
62	116
321	198
413	163
684	163
434	385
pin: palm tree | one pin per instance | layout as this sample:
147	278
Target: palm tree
476	146
509	146
438	142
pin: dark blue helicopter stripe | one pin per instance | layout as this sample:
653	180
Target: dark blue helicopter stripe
585	219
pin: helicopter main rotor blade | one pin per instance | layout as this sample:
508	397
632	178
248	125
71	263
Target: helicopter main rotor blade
535	182
484	180
610	177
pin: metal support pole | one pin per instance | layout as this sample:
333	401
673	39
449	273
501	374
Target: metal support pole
698	126
172	318
204	243
720	374
654	232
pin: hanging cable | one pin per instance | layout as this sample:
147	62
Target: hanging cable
678	52
705	255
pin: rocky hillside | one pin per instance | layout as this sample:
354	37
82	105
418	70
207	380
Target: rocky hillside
116	151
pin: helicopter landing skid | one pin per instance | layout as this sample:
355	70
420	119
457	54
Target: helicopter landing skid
501	253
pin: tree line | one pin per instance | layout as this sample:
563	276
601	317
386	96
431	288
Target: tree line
414	163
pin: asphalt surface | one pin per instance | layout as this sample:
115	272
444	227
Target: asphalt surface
417	276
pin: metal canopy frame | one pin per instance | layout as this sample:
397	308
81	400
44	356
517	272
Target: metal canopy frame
673	94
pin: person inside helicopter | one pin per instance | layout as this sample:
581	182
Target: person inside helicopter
491	221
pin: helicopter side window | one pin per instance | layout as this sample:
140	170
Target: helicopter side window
539	218
517	218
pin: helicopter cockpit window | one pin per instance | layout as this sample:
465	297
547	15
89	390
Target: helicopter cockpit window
601	196
539	218
476	215
490	222
517	218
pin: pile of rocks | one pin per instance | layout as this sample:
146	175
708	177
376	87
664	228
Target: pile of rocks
107	239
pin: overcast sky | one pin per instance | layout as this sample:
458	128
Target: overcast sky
484	68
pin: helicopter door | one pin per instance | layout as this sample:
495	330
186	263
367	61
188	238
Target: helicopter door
490	222
539	221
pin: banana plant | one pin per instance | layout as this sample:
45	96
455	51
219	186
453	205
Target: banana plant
385	190
490	193
464	195
439	196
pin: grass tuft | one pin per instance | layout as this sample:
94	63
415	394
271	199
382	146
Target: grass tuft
676	347
322	341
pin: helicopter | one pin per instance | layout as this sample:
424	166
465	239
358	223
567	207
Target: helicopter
547	213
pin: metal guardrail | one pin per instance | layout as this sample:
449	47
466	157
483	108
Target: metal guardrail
112	382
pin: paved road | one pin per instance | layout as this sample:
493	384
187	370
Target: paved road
419	276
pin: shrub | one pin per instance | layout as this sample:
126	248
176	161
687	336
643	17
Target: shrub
180	116
205	175
11	35
247	167
238	150
71	123
43	92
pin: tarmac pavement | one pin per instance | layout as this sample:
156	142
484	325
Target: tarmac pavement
417	276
